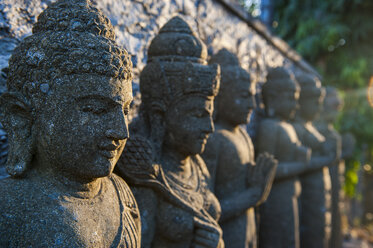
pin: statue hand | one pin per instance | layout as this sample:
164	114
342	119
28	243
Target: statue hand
207	235
302	154
261	175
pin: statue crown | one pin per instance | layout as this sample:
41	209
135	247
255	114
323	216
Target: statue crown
177	67
176	41
279	79
310	86
70	37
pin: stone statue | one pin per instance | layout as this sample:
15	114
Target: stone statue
331	107
315	196
170	180
279	217
69	90
239	183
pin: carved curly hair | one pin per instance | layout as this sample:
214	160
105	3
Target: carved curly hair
70	37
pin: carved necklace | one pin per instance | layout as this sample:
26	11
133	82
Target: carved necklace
191	191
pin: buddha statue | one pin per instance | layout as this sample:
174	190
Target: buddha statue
238	181
279	217
162	163
69	90
315	196
331	107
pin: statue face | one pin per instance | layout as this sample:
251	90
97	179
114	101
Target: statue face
286	103
83	128
332	106
310	107
237	102
188	124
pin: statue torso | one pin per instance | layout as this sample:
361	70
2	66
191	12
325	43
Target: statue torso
176	224
35	215
278	138
309	136
236	153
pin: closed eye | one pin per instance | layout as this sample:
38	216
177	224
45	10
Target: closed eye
94	109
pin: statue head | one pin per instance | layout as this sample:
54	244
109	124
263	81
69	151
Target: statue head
311	96
69	90
236	98
177	89
332	105
280	93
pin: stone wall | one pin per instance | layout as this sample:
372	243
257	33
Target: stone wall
138	21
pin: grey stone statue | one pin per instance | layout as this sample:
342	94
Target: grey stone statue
331	107
238	181
315	196
279	217
69	90
170	180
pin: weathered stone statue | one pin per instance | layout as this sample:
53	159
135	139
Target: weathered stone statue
239	183
315	196
170	180
69	90
332	105
279	217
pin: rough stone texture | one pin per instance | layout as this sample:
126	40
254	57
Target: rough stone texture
238	181
315	217
279	215
137	22
331	107
69	91
169	179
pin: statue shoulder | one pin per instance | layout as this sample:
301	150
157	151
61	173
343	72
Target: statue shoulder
269	126
219	135
222	137
201	165
13	192
267	135
25	210
137	161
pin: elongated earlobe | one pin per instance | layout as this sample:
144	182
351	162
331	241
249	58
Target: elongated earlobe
16	117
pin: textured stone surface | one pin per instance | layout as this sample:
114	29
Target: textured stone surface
279	216
69	91
169	179
331	108
239	181
136	22
315	197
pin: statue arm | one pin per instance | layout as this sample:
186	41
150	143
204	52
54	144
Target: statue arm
318	162
211	156
147	202
268	142
293	168
290	169
234	205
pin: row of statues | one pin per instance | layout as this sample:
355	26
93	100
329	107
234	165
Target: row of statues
189	174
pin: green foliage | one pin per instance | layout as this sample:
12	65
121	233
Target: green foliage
335	36
351	176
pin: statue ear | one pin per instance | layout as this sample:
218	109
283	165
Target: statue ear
16	117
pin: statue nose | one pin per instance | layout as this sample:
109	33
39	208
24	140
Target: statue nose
117	134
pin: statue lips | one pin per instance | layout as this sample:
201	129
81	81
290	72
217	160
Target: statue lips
203	139
109	150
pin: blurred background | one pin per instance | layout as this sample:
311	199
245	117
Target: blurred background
329	38
335	37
